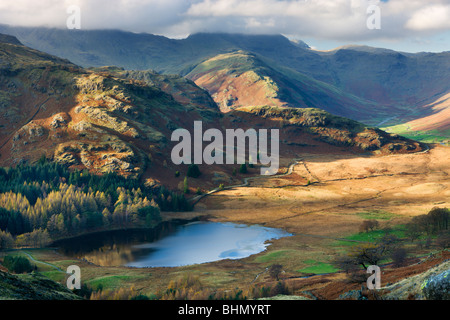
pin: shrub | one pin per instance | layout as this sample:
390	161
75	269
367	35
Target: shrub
185	185
193	171
118	294
18	264
279	288
369	225
85	291
443	240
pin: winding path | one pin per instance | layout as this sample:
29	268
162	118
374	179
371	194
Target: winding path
37	261
296	162
39	106
196	199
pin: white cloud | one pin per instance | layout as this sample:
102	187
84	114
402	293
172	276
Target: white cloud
434	17
343	20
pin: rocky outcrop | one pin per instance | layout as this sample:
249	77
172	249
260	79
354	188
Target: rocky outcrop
334	130
437	287
103	157
59	120
33	130
430	284
101	117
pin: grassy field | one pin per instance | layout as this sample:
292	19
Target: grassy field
431	136
318	267
373	236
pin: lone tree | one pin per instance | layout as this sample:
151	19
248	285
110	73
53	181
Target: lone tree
368	254
399	256
369	225
360	257
243	168
275	271
413	232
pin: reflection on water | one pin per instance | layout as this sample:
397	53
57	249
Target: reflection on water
171	245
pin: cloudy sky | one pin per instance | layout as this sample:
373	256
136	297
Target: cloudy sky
407	25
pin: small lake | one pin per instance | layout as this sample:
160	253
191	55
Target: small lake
171	245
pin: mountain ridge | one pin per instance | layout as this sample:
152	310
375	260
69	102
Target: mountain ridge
399	84
113	120
240	79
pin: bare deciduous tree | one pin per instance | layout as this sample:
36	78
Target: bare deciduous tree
399	256
369	225
275	271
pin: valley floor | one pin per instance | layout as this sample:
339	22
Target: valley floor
324	215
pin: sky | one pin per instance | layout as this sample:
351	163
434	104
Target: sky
403	25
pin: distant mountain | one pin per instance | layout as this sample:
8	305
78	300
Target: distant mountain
134	51
396	84
112	120
241	79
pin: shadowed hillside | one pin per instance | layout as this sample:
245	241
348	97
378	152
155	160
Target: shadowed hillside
32	287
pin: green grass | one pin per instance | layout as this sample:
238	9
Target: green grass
112	281
431	136
273	256
318	267
54	275
371	236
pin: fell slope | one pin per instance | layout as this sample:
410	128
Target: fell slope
84	119
112	120
382	75
32	287
432	126
241	79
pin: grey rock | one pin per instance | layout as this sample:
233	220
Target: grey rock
58	121
437	287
